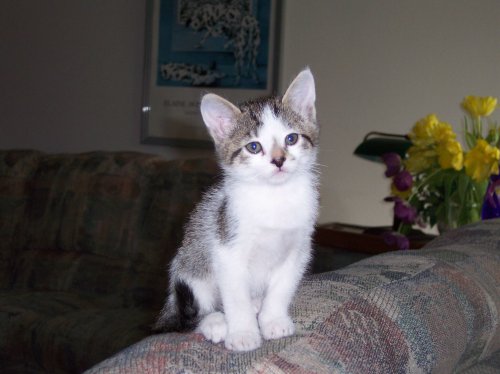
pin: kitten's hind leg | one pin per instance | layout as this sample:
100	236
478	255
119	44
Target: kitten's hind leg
213	326
180	312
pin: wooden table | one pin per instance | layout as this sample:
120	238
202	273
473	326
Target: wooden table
362	239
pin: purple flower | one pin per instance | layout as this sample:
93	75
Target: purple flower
393	163
405	212
403	180
491	204
395	239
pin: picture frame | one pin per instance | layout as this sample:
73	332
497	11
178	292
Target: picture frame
192	47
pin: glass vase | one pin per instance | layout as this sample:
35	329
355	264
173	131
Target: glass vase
450	220
463	208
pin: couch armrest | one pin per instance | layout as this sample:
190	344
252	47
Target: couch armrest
432	310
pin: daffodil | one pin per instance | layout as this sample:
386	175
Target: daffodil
422	132
478	106
482	161
450	154
419	159
430	130
443	132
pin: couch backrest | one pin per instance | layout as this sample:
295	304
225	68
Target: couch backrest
16	171
105	223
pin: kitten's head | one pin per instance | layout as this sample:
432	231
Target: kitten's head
268	139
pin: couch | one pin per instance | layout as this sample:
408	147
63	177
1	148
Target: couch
433	310
84	243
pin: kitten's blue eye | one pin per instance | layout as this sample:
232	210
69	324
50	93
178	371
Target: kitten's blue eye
253	147
291	139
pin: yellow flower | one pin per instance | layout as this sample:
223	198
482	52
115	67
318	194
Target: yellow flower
478	106
419	159
482	161
422	131
443	132
402	194
429	131
450	154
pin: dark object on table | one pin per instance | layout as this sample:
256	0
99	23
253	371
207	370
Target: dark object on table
375	144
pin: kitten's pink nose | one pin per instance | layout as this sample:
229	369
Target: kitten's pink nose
278	156
279	161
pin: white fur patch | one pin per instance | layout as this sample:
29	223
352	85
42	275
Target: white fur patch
213	327
277	328
243	340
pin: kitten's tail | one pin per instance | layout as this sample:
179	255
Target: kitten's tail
180	312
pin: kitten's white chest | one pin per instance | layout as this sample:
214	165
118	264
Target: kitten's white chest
288	206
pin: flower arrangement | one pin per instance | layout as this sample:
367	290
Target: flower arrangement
438	182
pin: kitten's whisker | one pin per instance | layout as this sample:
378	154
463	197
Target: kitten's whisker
320	165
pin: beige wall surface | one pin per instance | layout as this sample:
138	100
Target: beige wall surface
71	78
382	65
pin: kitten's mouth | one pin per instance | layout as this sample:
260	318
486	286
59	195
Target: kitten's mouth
280	174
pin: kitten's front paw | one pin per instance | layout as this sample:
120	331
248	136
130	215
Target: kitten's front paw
243	341
277	328
213	327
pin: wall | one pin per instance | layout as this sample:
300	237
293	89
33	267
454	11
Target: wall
382	65
71	77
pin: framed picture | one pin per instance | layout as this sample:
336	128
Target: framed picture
228	47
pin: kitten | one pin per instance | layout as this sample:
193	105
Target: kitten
248	242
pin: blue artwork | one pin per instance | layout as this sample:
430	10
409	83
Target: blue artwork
217	43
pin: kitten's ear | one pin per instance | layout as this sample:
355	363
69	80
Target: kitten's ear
219	116
301	95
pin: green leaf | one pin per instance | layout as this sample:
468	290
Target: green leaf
470	140
479	189
463	186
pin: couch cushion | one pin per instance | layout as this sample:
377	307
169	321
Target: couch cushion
16	170
109	280
62	332
474	251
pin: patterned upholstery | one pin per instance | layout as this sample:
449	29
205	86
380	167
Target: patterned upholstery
84	243
16	171
431	310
